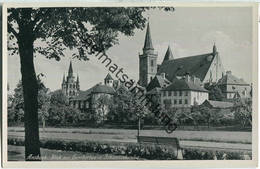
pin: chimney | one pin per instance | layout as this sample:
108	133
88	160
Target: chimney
193	79
229	72
163	75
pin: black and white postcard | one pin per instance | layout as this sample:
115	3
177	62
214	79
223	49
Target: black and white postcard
126	84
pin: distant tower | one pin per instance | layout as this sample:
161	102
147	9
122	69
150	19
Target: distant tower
70	86
108	80
147	60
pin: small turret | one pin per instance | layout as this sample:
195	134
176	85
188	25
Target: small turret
214	49
108	80
168	54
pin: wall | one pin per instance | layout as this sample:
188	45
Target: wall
189	96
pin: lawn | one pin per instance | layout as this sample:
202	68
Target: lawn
125	135
16	153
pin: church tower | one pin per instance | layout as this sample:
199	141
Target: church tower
70	86
147	60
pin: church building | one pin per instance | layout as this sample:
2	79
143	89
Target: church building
168	78
207	67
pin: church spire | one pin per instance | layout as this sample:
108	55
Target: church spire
70	70
168	54
148	39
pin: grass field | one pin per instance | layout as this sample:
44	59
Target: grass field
124	135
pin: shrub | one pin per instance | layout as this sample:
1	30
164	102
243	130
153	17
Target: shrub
146	151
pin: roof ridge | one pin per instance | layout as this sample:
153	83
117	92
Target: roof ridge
190	56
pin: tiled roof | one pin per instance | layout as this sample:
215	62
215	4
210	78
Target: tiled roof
155	90
98	88
193	65
84	95
218	104
180	85
158	81
231	79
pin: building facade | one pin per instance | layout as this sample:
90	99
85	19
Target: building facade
95	98
233	87
183	93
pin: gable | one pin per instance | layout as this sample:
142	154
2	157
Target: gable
158	82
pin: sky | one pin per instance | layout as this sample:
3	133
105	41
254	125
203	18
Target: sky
188	30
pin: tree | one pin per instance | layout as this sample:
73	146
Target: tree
60	112
18	101
58	106
61	28
208	114
102	105
243	111
215	92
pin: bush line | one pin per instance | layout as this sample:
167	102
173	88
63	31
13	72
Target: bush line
146	151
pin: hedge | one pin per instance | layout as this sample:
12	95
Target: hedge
146	151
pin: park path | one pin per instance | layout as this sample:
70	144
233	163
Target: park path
120	138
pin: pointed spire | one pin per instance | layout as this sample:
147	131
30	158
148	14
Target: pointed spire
70	70
63	78
78	78
168	54
214	49
148	40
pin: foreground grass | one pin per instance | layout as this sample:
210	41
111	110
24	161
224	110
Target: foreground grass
16	153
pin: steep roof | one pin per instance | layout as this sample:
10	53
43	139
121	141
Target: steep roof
108	77
230	79
180	85
157	81
217	104
148	39
193	65
168	55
